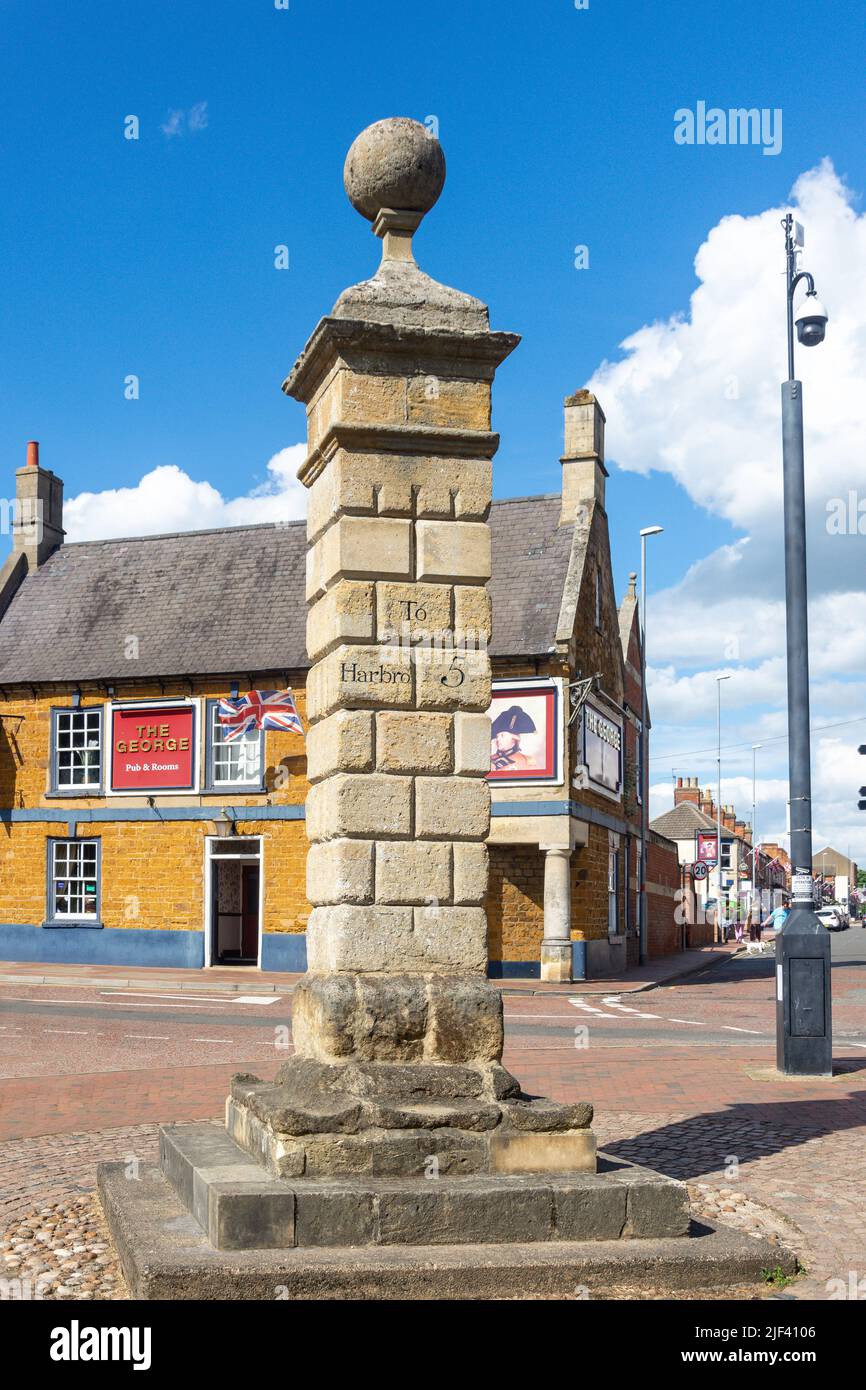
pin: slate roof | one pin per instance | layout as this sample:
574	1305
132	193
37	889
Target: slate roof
682	822
232	600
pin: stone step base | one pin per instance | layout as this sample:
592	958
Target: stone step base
166	1255
240	1206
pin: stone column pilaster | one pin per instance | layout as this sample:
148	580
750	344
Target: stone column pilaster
556	943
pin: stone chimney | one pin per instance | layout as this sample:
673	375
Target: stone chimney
37	527
687	789
583	470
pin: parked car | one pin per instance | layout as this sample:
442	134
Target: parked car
829	918
842	913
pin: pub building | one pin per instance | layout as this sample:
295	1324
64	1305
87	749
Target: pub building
135	834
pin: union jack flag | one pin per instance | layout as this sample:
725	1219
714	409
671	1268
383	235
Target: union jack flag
259	709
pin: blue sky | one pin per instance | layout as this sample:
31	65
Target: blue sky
155	257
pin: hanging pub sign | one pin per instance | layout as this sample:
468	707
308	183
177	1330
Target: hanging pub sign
706	847
153	748
525	742
602	748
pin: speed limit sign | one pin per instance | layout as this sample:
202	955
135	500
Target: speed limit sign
700	870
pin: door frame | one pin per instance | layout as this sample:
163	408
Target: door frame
244	854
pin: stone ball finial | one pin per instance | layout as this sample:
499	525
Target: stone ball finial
395	164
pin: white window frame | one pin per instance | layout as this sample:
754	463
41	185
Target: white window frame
79	877
67	716
212	783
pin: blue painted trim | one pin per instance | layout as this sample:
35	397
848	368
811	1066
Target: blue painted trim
284	950
530	808
578	960
111	946
148	813
514	969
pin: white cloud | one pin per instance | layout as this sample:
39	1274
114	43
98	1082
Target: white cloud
697	396
168	499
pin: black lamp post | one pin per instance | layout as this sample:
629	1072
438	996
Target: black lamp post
804	1043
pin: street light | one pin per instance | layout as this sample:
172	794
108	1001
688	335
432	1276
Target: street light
755	747
804	1043
720	918
644	761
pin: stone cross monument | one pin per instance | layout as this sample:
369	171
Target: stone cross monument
397	1032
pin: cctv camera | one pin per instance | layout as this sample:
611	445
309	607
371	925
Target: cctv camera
811	321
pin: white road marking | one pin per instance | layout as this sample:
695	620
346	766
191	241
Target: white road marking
80	1031
563	1018
257	999
149	1037
210	1040
695	1021
590	1009
146	994
756	1032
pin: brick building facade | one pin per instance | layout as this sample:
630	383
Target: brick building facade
97	638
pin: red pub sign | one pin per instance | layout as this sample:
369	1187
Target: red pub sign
153	748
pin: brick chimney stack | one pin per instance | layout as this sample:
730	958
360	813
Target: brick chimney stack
707	804
729	820
37	526
687	789
583	470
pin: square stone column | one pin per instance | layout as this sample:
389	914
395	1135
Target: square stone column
397	1032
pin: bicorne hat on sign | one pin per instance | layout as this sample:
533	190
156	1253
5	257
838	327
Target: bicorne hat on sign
513	720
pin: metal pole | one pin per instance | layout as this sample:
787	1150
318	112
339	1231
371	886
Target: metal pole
755	747
803	1018
644	809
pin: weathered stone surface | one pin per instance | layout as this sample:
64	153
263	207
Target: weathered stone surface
473	614
364	805
455	808
537	1113
345	938
657	1206
407	1153
392	1017
353	677
473	1211
327	1214
471	873
472	744
343	614
460	404
572	1151
394	163
466	1020
409	612
341	743
398	484
410	742
412	871
324	1114
433	1114
452	551
359	547
449	677
586	1208
340	871
324	1018
449	938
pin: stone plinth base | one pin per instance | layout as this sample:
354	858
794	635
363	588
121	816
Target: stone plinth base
556	961
240	1207
166	1255
419	1121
